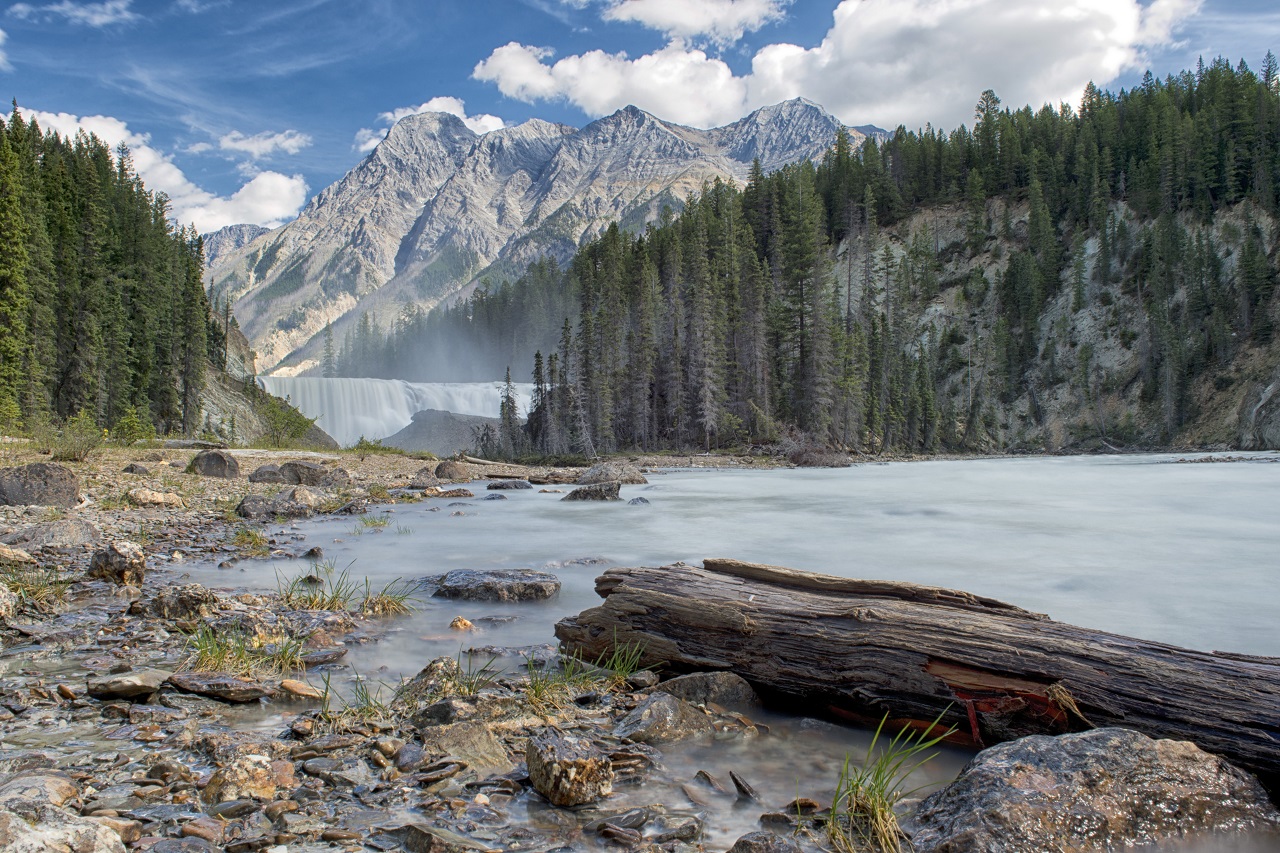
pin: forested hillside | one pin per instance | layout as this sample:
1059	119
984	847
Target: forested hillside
102	309
1048	278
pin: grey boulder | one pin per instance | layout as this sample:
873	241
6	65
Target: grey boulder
499	585
39	484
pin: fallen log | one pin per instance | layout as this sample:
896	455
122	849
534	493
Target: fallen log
861	649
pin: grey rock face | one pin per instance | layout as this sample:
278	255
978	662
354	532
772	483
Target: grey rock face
214	463
612	472
720	688
127	685
1106	789
501	585
63	533
435	207
662	718
39	484
568	771
596	492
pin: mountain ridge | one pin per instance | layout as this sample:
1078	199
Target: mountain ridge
435	208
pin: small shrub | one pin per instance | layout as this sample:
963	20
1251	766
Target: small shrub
252	543
132	427
79	437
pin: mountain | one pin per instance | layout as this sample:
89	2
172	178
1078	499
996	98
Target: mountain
226	240
435	208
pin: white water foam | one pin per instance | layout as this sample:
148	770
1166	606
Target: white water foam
376	408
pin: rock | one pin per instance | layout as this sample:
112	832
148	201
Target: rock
15	556
39	484
765	842
55	789
421	838
612	472
721	688
122	563
298	502
349	771
495	497
63	533
472	743
432	681
638	502
509	485
597	492
128	830
642	679
425	478
268	473
461	623
567	770
187	601
247	777
450	469
499	585
305	496
135	468
148	497
1104	789
253	507
315	475
226	688
42	828
128	685
214	463
662	718
9	602
300	689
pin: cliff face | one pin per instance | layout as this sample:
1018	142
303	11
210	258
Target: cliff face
436	208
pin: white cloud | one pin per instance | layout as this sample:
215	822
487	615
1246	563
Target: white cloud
4	58
722	21
268	199
882	61
265	144
367	138
89	14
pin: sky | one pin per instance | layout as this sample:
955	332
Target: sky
241	110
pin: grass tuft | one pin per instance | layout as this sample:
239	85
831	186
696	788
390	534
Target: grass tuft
38	587
231	652
323	588
863	819
395	599
252	543
365	706
471	679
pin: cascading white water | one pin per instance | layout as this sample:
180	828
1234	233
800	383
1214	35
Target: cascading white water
376	408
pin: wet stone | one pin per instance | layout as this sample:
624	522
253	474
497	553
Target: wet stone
127	685
63	533
568	770
509	485
225	688
764	842
597	492
662	718
122	563
498	585
719	688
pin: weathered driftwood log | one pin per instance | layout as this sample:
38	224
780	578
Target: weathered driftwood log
996	672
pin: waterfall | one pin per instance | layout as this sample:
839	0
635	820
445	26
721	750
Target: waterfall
377	408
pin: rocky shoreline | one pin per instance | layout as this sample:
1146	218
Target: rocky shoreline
141	711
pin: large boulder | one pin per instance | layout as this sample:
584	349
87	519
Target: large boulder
45	787
500	585
15	557
568	770
214	463
1106	789
509	485
425	478
62	533
298	502
39	484
662	718
128	685
299	473
248	777
597	492
719	688
268	473
122	563
612	472
451	469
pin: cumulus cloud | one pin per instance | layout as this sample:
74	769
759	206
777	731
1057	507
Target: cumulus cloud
4	58
367	138
264	144
87	14
721	21
882	61
269	198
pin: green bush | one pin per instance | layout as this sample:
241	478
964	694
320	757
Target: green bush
285	424
131	427
78	438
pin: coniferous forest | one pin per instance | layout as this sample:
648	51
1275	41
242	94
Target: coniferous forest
102	307
1044	277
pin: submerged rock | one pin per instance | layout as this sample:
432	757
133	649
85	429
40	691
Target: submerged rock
568	771
765	842
509	485
1100	790
214	463
39	484
662	718
597	492
227	688
498	585
612	472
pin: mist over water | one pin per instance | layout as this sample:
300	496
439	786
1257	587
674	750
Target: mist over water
376	408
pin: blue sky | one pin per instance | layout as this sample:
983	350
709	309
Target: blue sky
241	114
